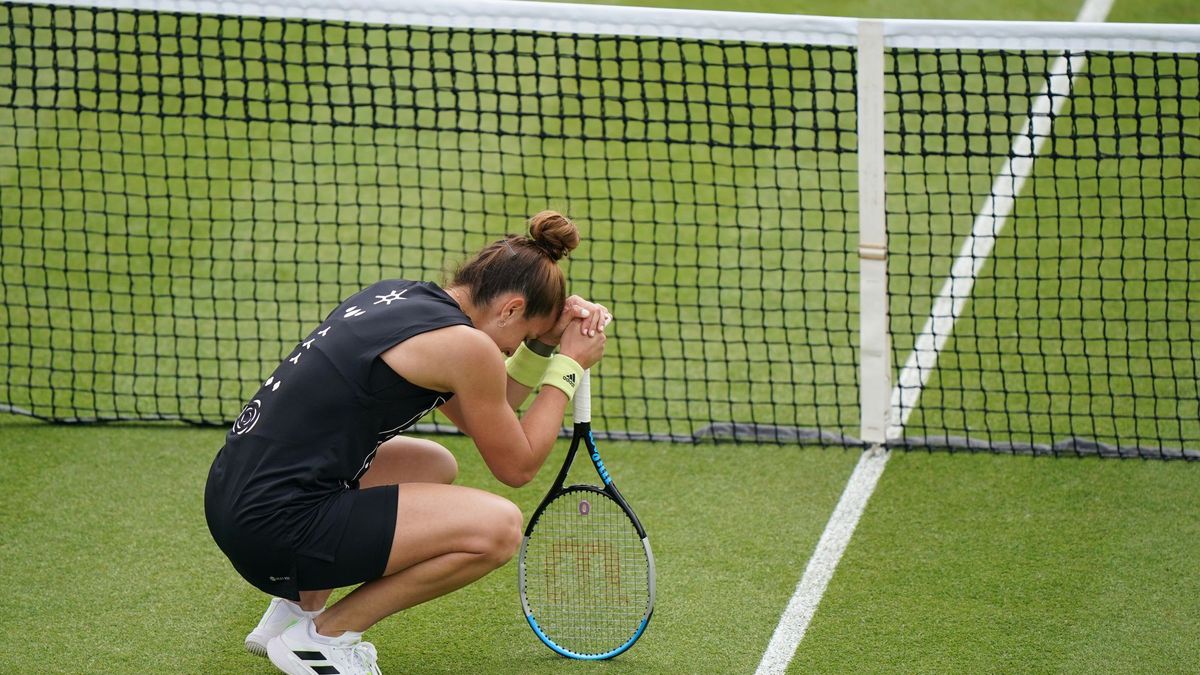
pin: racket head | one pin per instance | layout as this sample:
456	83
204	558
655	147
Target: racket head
586	574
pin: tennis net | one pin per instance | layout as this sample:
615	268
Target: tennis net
185	190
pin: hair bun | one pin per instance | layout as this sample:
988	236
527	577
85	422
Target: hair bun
553	234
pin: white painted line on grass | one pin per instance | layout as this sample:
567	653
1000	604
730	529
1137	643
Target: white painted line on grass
946	310
824	561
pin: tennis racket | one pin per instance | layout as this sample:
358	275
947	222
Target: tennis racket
586	573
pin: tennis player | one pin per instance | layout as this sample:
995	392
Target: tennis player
314	488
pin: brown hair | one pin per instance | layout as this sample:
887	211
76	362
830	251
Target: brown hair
527	265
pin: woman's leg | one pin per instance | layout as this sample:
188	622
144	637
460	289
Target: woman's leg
410	460
446	537
400	460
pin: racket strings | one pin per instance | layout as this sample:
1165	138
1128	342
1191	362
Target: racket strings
587	574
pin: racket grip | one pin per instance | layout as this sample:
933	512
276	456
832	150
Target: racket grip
583	399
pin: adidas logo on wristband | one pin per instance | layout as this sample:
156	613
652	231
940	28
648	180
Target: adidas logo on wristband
563	374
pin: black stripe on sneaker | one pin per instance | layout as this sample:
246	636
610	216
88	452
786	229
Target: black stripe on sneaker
316	656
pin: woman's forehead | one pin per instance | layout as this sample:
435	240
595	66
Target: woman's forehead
542	324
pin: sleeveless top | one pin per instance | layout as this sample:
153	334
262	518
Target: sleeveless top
312	428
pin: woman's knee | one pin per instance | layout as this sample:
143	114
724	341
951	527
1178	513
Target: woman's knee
442	466
504	531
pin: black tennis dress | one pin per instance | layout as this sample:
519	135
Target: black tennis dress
282	499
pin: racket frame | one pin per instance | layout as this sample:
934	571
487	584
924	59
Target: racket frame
582	434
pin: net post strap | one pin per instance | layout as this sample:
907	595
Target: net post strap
875	348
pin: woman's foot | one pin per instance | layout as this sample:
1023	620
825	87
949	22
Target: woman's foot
280	615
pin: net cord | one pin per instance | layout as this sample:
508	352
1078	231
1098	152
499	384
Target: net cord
697	24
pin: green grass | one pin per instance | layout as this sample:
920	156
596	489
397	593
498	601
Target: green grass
968	563
961	564
1150	11
960	9
109	564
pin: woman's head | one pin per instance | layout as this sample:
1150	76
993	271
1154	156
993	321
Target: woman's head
524	266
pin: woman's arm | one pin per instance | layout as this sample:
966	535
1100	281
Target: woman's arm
466	361
587	317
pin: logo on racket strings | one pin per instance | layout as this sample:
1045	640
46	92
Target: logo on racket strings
585	507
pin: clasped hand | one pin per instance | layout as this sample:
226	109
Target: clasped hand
579	331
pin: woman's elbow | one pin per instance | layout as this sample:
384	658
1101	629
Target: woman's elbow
516	478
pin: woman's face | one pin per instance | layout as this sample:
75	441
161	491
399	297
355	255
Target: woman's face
507	325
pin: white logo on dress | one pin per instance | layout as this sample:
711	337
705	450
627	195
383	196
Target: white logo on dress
249	417
392	295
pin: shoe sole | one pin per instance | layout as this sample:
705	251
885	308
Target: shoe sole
256	642
256	648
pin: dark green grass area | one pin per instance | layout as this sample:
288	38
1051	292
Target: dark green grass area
969	563
1156	11
109	566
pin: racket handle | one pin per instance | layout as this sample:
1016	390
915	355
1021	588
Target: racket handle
583	399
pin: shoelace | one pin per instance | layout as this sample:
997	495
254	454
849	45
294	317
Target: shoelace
363	656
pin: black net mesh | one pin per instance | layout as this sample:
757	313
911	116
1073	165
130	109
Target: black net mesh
183	197
1081	332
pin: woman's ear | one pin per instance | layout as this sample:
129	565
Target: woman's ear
512	309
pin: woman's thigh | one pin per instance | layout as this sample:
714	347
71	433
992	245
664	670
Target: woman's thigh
434	520
410	460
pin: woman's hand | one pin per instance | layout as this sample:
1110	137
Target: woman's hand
585	349
590	316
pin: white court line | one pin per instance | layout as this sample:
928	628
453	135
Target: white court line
946	310
800	610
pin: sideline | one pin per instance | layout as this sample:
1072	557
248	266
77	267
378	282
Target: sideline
923	359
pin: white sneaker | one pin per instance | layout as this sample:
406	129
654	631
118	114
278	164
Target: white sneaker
280	615
300	650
